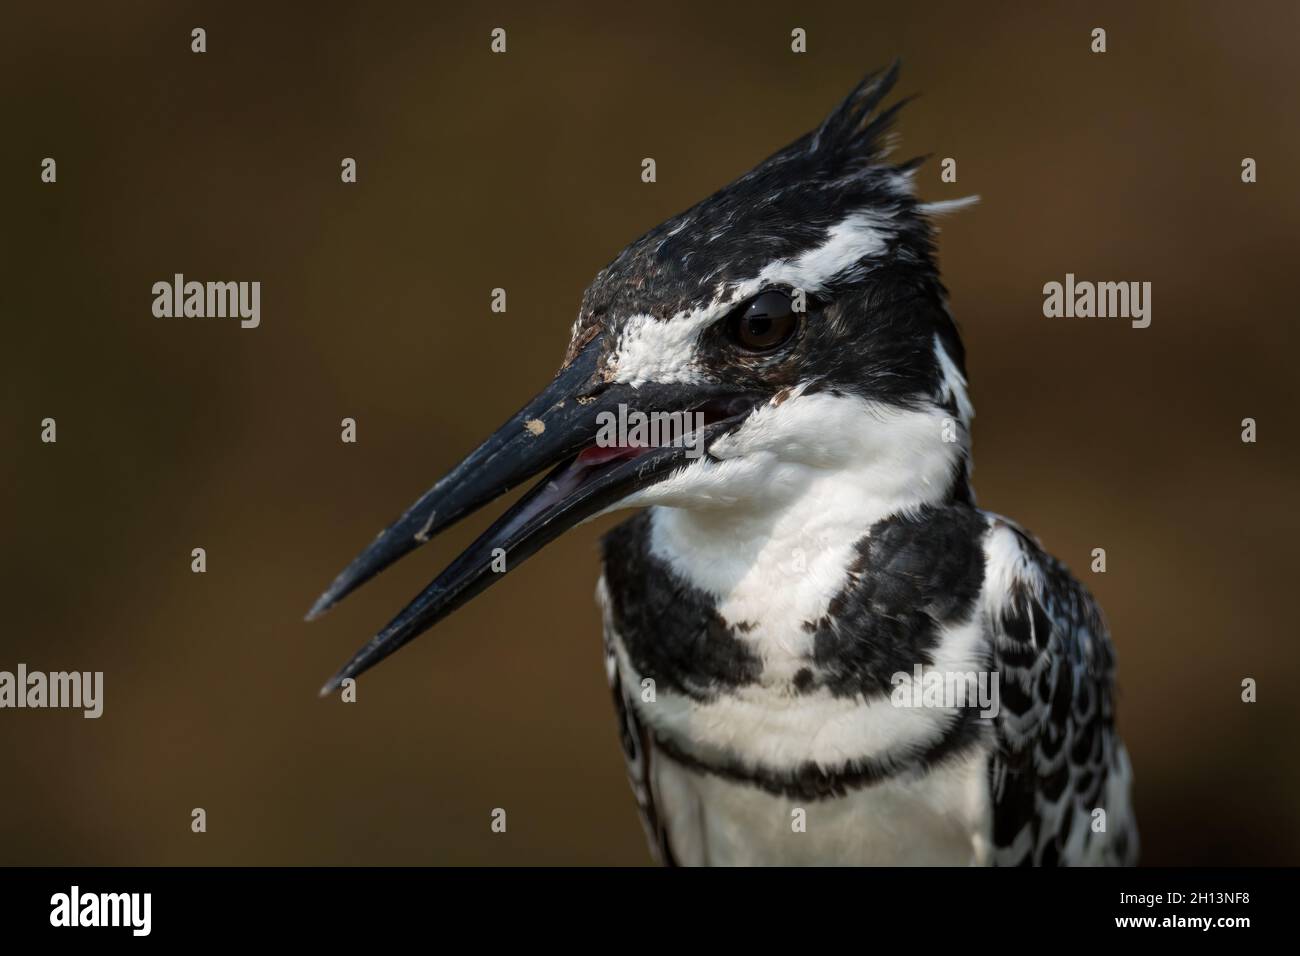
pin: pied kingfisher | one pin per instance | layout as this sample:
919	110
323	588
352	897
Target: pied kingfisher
764	608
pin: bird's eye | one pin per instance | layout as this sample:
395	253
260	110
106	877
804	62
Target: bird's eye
767	322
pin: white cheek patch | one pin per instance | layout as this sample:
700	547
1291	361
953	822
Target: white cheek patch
651	350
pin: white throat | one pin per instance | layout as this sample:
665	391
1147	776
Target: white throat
769	529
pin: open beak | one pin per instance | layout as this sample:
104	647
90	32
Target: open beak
557	429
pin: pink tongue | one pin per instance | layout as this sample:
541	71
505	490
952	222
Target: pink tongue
596	455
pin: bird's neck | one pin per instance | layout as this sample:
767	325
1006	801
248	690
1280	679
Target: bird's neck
783	559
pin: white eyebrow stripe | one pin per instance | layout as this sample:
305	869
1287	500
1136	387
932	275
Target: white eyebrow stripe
650	350
859	236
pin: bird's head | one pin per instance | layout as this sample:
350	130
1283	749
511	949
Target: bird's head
790	325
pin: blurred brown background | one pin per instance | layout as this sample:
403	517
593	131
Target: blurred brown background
522	171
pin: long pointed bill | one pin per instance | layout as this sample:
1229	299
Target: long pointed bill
559	428
540	434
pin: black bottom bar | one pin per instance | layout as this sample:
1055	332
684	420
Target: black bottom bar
333	905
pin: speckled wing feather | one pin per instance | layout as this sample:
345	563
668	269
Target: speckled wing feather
1059	758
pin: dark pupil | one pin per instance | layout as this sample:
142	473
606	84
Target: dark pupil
767	321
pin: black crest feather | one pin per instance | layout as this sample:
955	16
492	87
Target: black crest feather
854	126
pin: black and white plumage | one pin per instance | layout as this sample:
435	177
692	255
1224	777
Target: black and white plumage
1019	789
760	609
